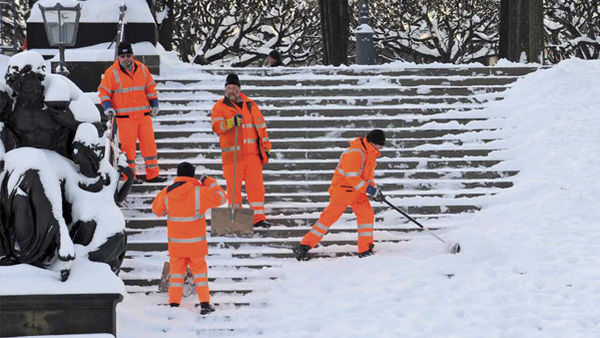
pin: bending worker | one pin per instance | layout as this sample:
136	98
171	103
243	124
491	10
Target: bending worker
352	182
184	203
128	90
237	111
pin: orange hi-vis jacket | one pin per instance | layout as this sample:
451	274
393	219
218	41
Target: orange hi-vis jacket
253	138
129	93
355	171
185	203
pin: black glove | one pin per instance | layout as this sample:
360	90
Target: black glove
202	178
375	193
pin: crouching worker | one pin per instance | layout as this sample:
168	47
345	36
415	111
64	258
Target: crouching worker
352	182
185	202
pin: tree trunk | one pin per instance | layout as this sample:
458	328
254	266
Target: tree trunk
167	26
335	21
521	30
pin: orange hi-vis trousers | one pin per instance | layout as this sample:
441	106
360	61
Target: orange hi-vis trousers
130	129
177	278
364	218
250	170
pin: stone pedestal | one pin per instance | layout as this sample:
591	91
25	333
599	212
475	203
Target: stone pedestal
30	315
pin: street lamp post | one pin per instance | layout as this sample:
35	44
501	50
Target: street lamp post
364	37
61	23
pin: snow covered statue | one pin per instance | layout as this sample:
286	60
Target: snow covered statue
57	188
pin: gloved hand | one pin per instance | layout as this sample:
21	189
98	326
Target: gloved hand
203	178
375	193
110	112
234	121
154	111
268	152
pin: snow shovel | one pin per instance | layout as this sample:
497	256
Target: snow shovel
232	221
452	248
163	284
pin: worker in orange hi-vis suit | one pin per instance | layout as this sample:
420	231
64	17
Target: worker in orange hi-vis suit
128	90
184	203
352	182
236	110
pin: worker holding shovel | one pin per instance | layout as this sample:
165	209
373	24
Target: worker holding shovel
243	157
352	182
185	202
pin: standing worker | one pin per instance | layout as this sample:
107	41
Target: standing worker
234	111
184	203
128	90
352	182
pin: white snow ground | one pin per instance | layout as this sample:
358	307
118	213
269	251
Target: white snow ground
530	261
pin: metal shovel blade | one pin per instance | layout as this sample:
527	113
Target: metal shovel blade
222	224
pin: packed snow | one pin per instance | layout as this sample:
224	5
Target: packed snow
529	266
99	10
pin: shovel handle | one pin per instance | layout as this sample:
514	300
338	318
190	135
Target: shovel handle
235	145
411	219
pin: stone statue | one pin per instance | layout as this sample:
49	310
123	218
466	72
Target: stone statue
57	189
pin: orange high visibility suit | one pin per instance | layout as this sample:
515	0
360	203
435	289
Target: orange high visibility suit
253	145
184	203
352	176
130	94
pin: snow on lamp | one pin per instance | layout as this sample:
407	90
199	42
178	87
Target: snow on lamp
61	23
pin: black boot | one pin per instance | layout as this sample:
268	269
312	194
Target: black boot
206	308
367	252
174	304
262	224
157	179
301	252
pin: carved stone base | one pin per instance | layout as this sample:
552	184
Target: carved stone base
29	315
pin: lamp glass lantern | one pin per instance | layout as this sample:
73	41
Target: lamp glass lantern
61	23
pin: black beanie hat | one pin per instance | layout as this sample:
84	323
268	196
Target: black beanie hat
185	169
124	48
275	55
376	136
232	79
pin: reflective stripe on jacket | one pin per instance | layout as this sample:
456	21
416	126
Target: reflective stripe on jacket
185	203
355	171
251	134
129	94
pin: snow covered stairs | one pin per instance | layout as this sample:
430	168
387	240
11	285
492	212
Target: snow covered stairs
439	162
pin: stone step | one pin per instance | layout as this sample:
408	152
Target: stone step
166	93
156	281
371	122
320	154
287	72
283	187
382	176
287	232
137	203
300	221
287	243
214	291
290	165
264	102
452	130
294	210
325	111
302	143
405	81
